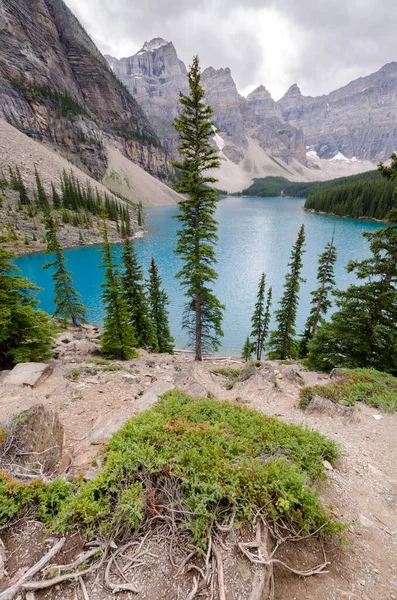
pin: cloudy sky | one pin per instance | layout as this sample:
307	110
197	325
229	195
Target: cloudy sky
319	44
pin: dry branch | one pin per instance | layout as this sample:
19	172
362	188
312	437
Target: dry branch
219	565
12	591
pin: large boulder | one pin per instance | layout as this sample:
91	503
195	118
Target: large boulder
29	374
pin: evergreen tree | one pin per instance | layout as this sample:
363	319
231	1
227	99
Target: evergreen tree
56	200
42	199
118	338
198	233
67	301
248	349
321	301
259	317
282	340
362	333
16	183
25	333
134	294
158	301
140	215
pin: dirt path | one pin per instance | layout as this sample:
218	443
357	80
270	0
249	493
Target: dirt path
363	487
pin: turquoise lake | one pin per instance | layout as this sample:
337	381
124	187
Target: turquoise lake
255	235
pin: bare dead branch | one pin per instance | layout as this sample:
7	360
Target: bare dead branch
219	565
12	591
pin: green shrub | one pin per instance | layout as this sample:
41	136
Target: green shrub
357	385
217	455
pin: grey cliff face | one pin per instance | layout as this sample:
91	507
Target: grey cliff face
267	125
155	76
229	110
358	120
57	87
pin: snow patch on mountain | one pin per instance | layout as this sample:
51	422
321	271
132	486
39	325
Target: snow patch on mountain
153	45
219	141
339	157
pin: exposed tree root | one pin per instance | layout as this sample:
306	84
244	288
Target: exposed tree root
118	561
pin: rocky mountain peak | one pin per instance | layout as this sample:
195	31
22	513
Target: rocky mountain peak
293	90
153	45
259	93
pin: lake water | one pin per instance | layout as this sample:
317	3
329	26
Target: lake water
255	235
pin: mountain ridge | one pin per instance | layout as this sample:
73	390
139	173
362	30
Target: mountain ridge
57	87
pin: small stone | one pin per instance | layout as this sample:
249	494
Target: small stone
364	521
327	465
377	417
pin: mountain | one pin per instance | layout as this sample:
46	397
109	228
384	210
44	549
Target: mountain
257	136
155	76
55	86
358	121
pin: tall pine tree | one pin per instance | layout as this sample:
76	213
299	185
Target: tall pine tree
362	332
118	338
282	341
67	301
198	234
158	301
261	317
321	301
135	297
25	333
42	199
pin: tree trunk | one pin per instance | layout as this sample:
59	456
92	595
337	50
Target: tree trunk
199	355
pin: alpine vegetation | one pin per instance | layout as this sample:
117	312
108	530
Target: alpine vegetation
198	233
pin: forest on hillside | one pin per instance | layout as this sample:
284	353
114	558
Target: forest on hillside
367	195
369	199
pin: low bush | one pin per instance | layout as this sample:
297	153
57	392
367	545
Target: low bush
357	385
199	460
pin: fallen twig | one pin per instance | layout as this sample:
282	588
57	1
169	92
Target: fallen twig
12	591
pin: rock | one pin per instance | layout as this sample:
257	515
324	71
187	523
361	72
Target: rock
323	405
104	430
65	463
335	373
293	376
129	378
91	473
65	338
364	521
28	374
151	395
37	439
151	363
327	465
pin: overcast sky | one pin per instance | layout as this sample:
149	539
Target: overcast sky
319	44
